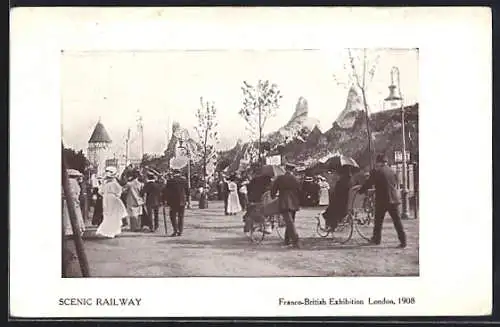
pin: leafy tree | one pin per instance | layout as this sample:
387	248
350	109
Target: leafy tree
75	160
207	134
260	102
360	69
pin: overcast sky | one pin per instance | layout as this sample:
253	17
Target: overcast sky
167	86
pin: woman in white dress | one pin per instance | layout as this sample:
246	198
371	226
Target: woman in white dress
75	190
112	205
324	191
233	201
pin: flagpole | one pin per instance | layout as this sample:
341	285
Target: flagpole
127	147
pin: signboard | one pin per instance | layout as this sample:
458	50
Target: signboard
273	160
301	168
111	163
398	156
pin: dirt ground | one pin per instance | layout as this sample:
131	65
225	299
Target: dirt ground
214	245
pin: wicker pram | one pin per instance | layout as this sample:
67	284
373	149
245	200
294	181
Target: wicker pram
257	212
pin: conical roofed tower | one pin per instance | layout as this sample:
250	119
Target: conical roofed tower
99	135
98	147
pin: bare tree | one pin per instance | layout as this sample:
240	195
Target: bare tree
360	69
207	133
259	104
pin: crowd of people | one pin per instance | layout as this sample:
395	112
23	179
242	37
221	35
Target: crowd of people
132	200
135	198
264	195
281	195
314	191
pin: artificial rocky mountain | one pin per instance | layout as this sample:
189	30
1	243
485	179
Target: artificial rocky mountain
300	124
353	141
348	135
180	136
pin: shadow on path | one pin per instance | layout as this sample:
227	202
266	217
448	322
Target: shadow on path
94	237
268	245
216	227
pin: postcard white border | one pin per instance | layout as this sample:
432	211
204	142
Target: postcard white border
455	155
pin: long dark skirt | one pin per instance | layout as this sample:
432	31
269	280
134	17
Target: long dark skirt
97	217
243	200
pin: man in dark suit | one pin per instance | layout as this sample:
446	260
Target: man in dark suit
387	199
225	193
177	192
288	188
152	191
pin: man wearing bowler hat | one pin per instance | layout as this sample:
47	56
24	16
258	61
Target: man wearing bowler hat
387	199
225	192
177	192
152	191
288	189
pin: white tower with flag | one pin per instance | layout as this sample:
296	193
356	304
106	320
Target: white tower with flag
136	141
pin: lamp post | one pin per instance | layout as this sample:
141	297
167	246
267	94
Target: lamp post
399	98
185	148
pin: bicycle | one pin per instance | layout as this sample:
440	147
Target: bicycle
357	217
258	230
364	217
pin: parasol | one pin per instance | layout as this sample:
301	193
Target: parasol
152	171
339	161
328	156
272	170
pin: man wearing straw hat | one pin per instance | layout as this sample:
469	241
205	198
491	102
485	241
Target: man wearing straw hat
288	188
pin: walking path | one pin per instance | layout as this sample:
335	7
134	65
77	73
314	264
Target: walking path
214	245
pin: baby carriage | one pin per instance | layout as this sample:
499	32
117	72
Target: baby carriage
262	218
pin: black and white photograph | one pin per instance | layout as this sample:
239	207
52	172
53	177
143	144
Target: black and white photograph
243	162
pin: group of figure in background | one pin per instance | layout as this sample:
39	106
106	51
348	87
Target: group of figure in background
131	201
315	191
233	191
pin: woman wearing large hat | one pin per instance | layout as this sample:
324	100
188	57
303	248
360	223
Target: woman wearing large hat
324	191
113	208
233	201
